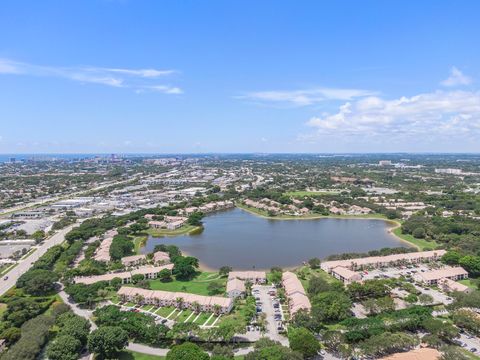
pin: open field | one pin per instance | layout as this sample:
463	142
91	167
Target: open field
199	285
467	282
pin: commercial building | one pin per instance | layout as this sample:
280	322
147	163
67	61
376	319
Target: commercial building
148	272
182	300
297	298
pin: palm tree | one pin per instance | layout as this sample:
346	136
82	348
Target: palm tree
139	299
216	309
196	307
180	302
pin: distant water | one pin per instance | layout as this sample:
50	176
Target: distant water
245	241
22	157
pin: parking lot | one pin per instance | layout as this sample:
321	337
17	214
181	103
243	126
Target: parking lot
267	303
395	272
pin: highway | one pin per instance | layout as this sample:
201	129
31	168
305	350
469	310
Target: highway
26	263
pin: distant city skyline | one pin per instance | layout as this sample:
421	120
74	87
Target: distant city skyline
239	77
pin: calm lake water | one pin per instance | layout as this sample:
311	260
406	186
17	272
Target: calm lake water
245	241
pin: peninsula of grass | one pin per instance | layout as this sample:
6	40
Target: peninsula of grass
184	230
198	285
421	244
139	242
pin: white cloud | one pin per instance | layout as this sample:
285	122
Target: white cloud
136	79
146	73
305	97
444	113
456	78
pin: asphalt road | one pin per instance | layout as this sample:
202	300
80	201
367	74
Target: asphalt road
25	264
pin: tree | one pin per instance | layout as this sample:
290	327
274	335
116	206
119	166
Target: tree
184	267
165	275
107	341
266	349
187	351
138	227
411	298
314	263
453	353
215	287
195	219
37	282
137	278
304	342
425	299
331	306
471	263
11	335
468	320
222	352
64	347
451	258
419	233
38	236
225	270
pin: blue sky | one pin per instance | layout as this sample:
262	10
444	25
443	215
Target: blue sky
239	76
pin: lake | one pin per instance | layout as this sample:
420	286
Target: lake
245	241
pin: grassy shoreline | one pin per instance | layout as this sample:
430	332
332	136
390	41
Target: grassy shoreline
184	230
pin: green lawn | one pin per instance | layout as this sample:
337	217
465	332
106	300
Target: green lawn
165	311
467	282
131	355
198	285
202	318
139	242
309	273
183	316
212	320
421	244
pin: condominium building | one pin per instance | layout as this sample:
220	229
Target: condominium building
384	261
182	300
148	272
235	288
297	298
452	273
345	275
